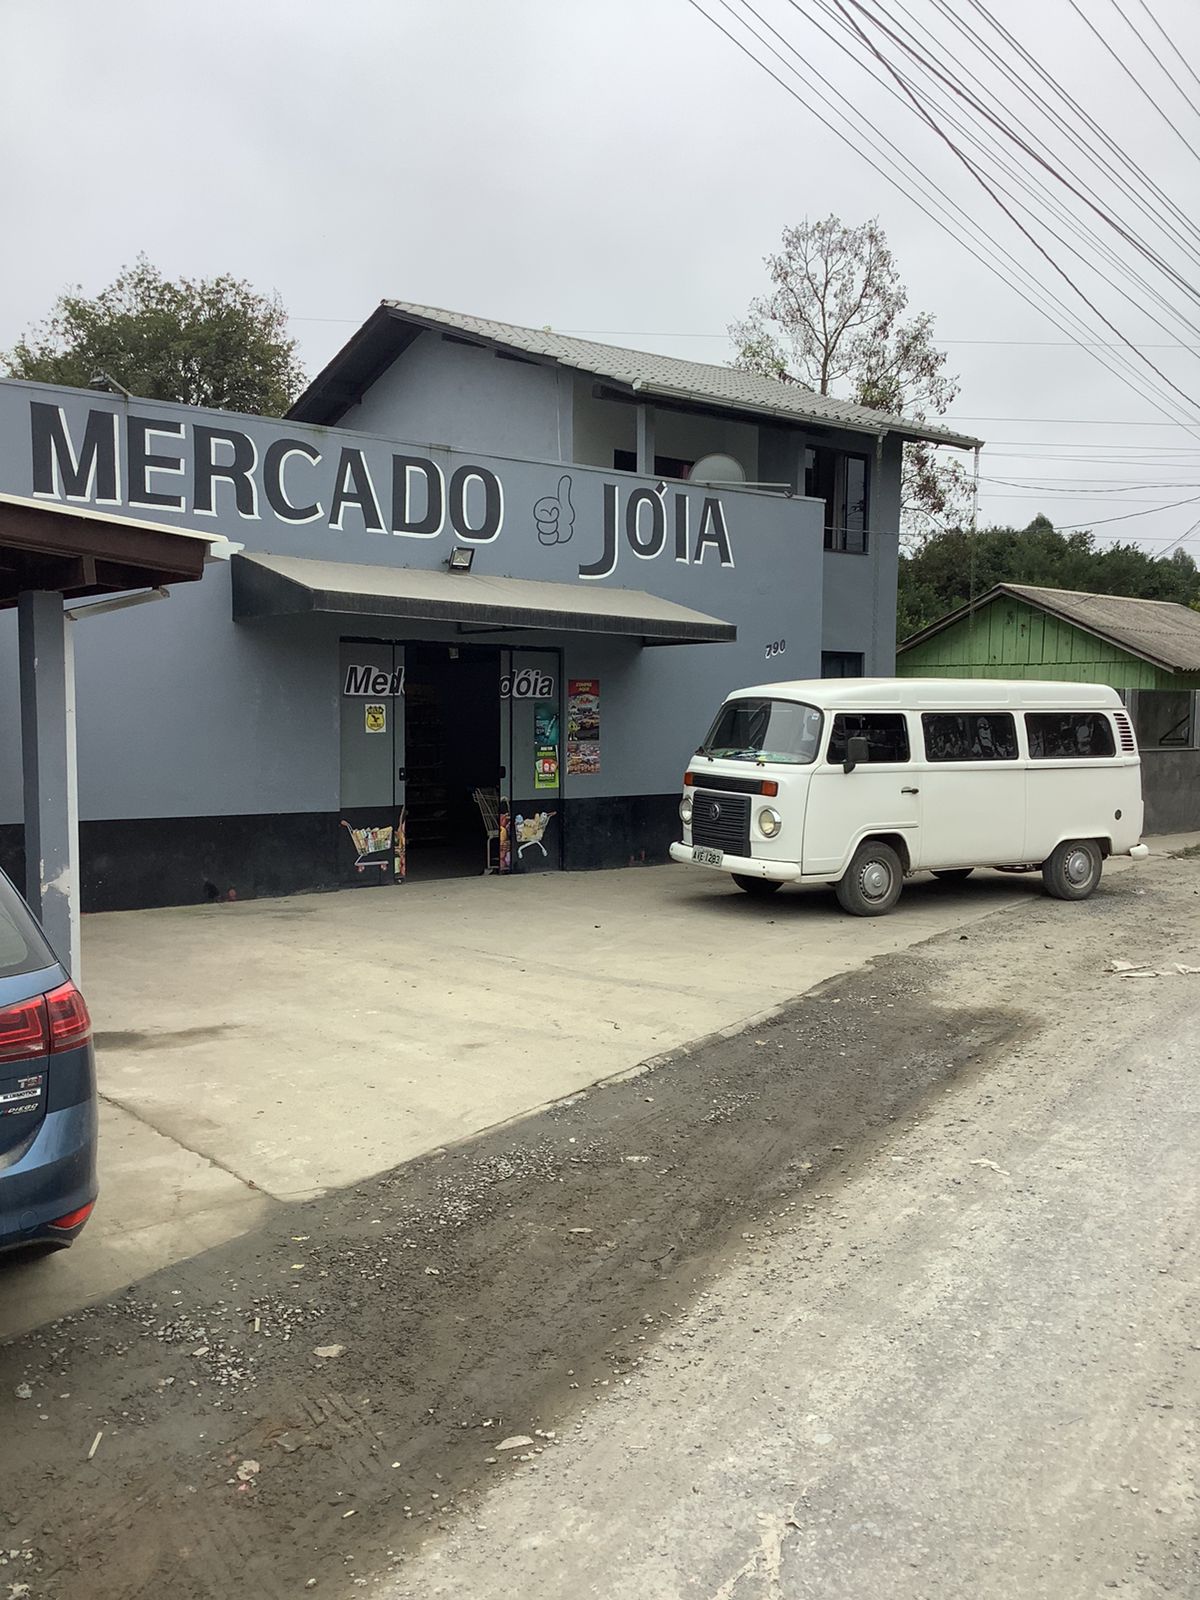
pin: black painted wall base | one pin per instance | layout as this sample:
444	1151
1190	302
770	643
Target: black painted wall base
620	831
175	861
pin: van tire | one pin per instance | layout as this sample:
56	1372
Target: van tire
954	874
872	882
758	888
1073	868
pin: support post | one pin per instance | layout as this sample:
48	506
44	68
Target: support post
48	760
645	441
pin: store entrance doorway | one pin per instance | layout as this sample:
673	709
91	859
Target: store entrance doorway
451	757
449	760
421	764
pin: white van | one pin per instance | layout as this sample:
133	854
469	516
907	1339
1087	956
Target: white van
863	781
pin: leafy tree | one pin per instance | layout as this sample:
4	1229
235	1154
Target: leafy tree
953	565
205	342
833	320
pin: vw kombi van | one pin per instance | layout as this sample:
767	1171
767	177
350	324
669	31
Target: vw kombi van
861	782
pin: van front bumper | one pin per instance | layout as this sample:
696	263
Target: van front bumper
744	866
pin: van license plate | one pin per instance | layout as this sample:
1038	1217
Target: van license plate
707	858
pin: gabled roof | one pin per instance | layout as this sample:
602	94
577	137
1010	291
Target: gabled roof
1159	631
383	336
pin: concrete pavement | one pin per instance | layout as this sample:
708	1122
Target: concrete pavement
274	1049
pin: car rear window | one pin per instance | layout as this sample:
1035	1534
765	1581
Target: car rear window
22	947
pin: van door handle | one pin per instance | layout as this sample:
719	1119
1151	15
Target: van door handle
910	791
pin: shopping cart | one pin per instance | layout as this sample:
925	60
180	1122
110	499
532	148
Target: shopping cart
488	801
373	846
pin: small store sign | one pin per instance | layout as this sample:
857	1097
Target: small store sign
367	681
530	683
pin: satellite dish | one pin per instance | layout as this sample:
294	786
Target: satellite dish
717	469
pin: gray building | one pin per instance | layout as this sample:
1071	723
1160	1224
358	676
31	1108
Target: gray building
483	570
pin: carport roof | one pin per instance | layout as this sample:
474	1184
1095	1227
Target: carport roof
77	551
283	586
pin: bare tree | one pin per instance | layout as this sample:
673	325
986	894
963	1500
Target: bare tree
833	320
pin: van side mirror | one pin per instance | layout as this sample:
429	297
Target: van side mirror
858	752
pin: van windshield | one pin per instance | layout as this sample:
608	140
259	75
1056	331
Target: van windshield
765	730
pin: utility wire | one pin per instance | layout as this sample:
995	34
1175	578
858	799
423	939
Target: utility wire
1126	372
1174	47
988	189
982	110
1013	173
1133	78
1038	193
1030	184
1175	227
1117	153
1154	56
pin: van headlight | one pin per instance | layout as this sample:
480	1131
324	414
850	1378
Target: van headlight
769	822
685	811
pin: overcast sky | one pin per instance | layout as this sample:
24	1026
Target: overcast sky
609	167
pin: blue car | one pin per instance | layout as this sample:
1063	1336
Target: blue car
48	1108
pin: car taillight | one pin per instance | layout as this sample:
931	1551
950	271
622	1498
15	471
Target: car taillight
24	1031
70	1024
74	1219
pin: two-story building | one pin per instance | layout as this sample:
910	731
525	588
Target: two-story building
488	575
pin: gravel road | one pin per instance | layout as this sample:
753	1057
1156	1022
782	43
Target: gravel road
895	1294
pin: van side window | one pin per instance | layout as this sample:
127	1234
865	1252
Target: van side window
886	733
1069	735
971	736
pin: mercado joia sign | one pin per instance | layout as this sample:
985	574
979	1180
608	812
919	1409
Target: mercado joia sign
175	462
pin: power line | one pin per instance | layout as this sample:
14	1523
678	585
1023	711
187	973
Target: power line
937	198
1128	516
1015	176
1120	157
1138	192
834	9
1154	56
982	110
1021	134
1134	79
988	189
1171	43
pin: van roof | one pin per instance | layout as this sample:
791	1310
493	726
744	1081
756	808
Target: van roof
940	693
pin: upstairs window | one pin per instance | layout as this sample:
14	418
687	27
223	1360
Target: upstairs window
664	466
841	481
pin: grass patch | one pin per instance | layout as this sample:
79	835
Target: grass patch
1189	850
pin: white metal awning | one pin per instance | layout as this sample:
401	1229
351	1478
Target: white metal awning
290	586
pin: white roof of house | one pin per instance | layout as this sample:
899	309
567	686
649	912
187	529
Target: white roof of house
700	382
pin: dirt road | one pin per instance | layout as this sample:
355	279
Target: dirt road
895	1294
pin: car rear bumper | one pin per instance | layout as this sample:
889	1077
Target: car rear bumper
51	1177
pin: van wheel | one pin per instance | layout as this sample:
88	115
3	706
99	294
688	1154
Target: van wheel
954	874
759	888
872	882
1073	869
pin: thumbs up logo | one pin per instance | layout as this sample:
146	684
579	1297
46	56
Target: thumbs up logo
555	515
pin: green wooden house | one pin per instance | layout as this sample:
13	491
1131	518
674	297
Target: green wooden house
1148	649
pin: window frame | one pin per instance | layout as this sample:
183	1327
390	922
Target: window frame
835	717
825	479
1104	717
970	760
843	655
